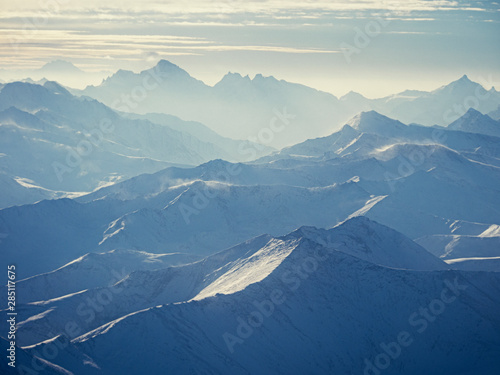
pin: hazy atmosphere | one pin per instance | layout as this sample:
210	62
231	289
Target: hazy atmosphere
250	187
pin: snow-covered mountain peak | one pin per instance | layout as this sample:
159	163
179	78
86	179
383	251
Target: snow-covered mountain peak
309	232
460	86
361	227
464	79
358	222
349	130
166	66
366	116
251	269
215	165
474	121
374	122
462	82
471	115
352	95
368	240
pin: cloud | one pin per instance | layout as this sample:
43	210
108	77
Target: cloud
132	31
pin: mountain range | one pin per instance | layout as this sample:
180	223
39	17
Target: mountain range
61	71
422	181
240	106
334	236
54	143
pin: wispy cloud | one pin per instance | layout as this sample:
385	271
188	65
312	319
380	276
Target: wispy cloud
109	34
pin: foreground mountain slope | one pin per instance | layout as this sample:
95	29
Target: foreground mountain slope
490	264
347	316
144	289
226	272
94	270
25	363
314	312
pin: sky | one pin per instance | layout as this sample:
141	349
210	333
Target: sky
372	47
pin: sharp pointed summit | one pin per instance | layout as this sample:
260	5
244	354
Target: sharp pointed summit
167	66
474	121
473	113
166	63
231	79
374	122
462	84
464	78
352	95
